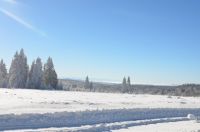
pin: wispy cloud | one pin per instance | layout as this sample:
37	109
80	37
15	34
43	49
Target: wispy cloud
11	1
22	22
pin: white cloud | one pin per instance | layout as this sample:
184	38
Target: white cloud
22	22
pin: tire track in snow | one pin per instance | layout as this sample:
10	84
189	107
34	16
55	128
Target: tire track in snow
107	126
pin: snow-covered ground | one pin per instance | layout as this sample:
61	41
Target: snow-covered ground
20	101
182	126
85	111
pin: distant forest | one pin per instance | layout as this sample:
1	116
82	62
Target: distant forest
181	90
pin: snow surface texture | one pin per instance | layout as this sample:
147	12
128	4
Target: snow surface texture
105	126
35	109
183	126
73	119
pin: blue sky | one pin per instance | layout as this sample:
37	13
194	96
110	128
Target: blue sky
152	41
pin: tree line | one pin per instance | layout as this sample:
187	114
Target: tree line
20	75
125	86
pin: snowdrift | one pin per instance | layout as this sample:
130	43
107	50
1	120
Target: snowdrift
75	119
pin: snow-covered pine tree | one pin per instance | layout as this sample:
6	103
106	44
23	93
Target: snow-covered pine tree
3	75
87	83
30	80
124	85
50	76
35	75
13	80
38	73
18	71
124	81
129	82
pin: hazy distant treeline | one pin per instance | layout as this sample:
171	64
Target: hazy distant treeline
181	90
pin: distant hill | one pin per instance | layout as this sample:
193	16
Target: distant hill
180	90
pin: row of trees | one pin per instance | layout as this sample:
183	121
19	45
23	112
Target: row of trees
125	87
21	76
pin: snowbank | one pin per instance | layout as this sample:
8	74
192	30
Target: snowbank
73	119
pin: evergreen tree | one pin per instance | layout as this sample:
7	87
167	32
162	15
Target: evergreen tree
87	83
18	71
38	73
12	82
30	81
50	75
23	69
124	81
124	85
35	75
3	75
129	82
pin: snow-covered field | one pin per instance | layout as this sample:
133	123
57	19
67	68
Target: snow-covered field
84	111
20	101
182	126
